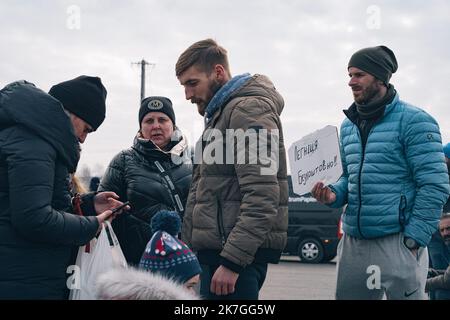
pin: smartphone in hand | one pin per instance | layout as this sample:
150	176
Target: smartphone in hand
120	207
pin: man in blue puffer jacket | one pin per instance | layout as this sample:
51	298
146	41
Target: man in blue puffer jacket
395	183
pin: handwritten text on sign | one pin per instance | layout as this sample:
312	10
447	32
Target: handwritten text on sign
315	157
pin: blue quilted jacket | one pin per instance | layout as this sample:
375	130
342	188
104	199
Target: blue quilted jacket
399	183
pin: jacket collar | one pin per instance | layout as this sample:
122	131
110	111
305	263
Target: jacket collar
147	147
224	94
352	114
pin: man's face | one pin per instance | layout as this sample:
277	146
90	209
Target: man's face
157	127
444	229
81	128
365	87
199	87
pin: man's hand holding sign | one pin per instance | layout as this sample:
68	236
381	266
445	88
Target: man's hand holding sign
315	162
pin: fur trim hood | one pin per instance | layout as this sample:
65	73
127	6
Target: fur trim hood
134	284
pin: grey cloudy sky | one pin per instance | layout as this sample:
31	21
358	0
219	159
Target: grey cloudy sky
302	45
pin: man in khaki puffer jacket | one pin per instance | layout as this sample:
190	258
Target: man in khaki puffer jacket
236	214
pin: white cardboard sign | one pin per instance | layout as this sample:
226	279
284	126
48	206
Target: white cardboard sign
315	157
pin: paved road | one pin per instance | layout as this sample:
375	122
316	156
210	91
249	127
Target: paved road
292	280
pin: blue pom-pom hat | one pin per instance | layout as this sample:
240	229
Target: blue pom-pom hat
165	253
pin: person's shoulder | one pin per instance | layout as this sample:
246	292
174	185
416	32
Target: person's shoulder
408	107
254	105
24	135
413	113
263	80
126	152
258	87
122	156
24	142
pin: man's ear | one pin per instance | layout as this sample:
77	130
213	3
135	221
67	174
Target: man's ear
219	72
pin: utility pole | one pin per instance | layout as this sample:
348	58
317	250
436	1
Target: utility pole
143	63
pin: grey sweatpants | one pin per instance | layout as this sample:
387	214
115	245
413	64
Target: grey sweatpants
368	269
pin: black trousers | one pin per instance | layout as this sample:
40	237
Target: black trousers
247	287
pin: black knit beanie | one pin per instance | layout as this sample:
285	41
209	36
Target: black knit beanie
379	61
83	96
156	104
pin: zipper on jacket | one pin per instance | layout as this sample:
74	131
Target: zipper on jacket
359	186
220	222
360	169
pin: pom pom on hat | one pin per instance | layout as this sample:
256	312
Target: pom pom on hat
168	221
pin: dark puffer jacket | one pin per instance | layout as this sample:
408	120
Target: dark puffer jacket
38	235
135	177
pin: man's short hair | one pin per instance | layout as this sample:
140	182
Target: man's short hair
204	54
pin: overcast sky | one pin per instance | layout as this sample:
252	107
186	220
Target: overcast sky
303	46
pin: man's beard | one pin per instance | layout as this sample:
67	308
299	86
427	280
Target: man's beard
213	87
447	243
367	94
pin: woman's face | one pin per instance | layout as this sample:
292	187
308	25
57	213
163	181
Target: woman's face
157	127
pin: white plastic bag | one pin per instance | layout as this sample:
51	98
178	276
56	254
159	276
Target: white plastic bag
99	256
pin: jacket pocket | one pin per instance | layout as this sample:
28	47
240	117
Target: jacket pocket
401	211
220	224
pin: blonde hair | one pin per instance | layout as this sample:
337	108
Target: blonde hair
77	185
